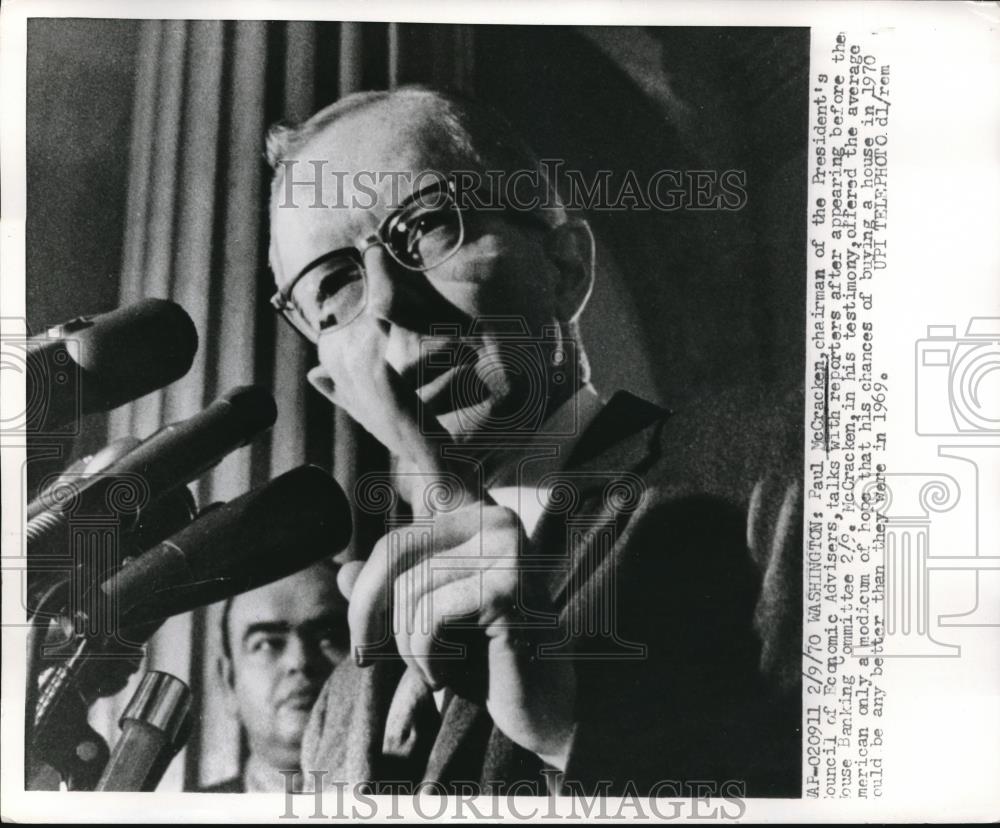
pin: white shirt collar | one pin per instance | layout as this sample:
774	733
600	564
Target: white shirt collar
516	483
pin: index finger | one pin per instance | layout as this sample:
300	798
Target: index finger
369	613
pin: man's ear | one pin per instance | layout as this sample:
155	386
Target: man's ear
570	247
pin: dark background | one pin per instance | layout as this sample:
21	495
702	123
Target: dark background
139	132
690	301
80	79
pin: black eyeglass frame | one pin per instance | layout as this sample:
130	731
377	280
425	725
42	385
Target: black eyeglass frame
284	304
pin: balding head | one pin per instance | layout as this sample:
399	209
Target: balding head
448	132
346	280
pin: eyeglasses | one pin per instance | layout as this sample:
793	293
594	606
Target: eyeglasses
425	231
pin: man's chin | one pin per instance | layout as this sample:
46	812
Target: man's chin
472	422
291	722
491	418
458	425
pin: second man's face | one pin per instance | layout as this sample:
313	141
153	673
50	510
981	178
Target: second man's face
285	640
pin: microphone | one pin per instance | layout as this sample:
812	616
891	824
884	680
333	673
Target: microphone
81	562
101	362
297	519
292	522
173	456
84	467
180	452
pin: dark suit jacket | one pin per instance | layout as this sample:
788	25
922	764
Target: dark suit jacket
680	588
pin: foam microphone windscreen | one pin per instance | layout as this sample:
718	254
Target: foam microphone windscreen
98	363
294	521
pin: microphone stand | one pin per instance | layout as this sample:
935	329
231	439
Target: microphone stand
58	738
155	726
80	753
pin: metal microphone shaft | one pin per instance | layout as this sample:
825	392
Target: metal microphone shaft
153	731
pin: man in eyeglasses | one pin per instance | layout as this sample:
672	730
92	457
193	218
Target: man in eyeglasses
578	595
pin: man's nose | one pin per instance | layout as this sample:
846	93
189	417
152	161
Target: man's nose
382	272
303	656
403	299
294	656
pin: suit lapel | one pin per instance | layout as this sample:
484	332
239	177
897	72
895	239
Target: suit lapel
603	478
600	487
460	746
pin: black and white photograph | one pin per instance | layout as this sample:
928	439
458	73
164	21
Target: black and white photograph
479	413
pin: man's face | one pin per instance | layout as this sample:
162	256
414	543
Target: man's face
285	639
470	382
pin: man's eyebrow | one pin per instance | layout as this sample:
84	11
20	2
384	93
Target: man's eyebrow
321	622
266	627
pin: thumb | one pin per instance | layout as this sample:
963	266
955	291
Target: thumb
347	576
